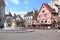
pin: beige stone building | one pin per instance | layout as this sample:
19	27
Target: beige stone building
55	4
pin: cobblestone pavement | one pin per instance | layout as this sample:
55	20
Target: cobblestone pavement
37	35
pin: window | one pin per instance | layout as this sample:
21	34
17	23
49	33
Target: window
54	21
9	25
37	21
43	11
45	15
0	19
32	22
9	20
55	14
41	21
30	17
43	7
45	21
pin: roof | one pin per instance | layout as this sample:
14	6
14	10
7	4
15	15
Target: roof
8	15
49	8
21	19
29	14
57	5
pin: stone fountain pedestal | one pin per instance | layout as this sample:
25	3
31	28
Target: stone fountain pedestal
13	25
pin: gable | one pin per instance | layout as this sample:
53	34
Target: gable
44	10
18	18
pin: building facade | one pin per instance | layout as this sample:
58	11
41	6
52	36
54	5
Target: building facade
19	21
2	13
29	17
56	5
47	16
58	15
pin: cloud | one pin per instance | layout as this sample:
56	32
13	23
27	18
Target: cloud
26	2
15	1
21	13
6	3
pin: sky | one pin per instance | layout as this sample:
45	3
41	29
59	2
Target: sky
23	6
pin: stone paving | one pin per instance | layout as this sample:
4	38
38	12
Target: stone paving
16	31
36	35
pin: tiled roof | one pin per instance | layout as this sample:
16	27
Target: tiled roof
21	19
49	8
29	14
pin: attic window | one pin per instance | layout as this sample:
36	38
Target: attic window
43	7
43	11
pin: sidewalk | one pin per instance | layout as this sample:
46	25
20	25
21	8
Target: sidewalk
17	31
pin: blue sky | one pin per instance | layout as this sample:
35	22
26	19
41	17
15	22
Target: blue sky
23	6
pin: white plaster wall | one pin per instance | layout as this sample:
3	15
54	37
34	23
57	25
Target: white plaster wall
28	20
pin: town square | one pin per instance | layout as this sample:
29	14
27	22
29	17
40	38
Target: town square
29	20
